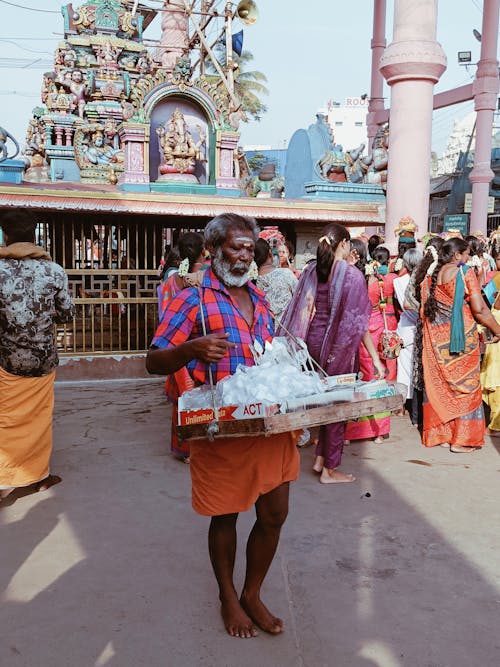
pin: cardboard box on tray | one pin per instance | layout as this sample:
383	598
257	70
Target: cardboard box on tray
375	389
339	380
254	410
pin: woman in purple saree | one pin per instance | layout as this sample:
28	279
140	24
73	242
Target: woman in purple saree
330	310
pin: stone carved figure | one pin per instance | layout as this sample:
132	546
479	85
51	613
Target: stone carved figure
331	167
4	137
35	138
178	149
99	153
144	64
354	167
77	87
49	89
267	183
379	157
65	57
107	55
235	117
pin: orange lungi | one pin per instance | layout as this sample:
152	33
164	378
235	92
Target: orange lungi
229	474
26	406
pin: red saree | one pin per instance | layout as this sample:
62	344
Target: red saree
453	411
181	379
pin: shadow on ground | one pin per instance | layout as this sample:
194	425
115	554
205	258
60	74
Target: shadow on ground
110	567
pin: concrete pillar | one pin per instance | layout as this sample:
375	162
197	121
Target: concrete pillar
411	65
376	102
485	89
378	45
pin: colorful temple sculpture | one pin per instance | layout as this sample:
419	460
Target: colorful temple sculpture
113	113
133	142
315	162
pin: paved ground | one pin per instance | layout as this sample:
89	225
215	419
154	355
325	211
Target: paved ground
110	567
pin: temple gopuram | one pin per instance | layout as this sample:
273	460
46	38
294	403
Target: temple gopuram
133	143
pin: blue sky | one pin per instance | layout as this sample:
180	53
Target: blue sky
310	50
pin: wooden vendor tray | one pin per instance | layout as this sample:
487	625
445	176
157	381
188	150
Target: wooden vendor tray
299	419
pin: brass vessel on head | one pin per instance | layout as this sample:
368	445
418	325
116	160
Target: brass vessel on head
247	12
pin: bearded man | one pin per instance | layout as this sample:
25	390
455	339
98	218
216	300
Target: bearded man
231	474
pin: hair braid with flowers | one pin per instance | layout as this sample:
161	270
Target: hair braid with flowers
423	267
446	254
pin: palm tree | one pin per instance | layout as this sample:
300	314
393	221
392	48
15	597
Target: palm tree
249	86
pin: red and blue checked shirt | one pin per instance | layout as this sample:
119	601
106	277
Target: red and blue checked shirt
181	321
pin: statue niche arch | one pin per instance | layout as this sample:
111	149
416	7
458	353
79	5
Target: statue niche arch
181	142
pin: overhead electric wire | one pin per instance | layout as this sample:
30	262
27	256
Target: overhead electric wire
31	9
20	93
10	41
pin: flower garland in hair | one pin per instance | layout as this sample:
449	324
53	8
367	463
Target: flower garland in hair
253	271
371	268
183	267
432	251
474	261
398	265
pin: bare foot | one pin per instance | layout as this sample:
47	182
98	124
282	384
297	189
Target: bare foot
5	492
335	476
237	623
261	615
492	433
378	440
318	464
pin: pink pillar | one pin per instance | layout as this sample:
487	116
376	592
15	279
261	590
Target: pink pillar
377	83
485	89
134	138
226	146
411	65
376	103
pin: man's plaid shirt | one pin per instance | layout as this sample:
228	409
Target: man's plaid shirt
182	321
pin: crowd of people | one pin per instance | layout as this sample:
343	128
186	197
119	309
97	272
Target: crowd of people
346	305
410	296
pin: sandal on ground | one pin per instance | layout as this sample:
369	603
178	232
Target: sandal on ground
457	449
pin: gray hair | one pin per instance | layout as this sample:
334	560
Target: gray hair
411	258
217	229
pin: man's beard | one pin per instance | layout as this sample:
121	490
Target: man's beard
222	269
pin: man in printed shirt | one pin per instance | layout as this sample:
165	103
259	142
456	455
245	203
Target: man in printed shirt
230	475
33	296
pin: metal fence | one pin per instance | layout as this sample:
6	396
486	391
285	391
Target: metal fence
112	268
108	319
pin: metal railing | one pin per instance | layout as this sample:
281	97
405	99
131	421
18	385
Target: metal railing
116	312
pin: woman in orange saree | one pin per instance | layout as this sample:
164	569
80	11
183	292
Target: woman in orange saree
451	305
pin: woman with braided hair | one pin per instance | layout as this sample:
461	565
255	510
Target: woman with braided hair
412	299
451	305
330	310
